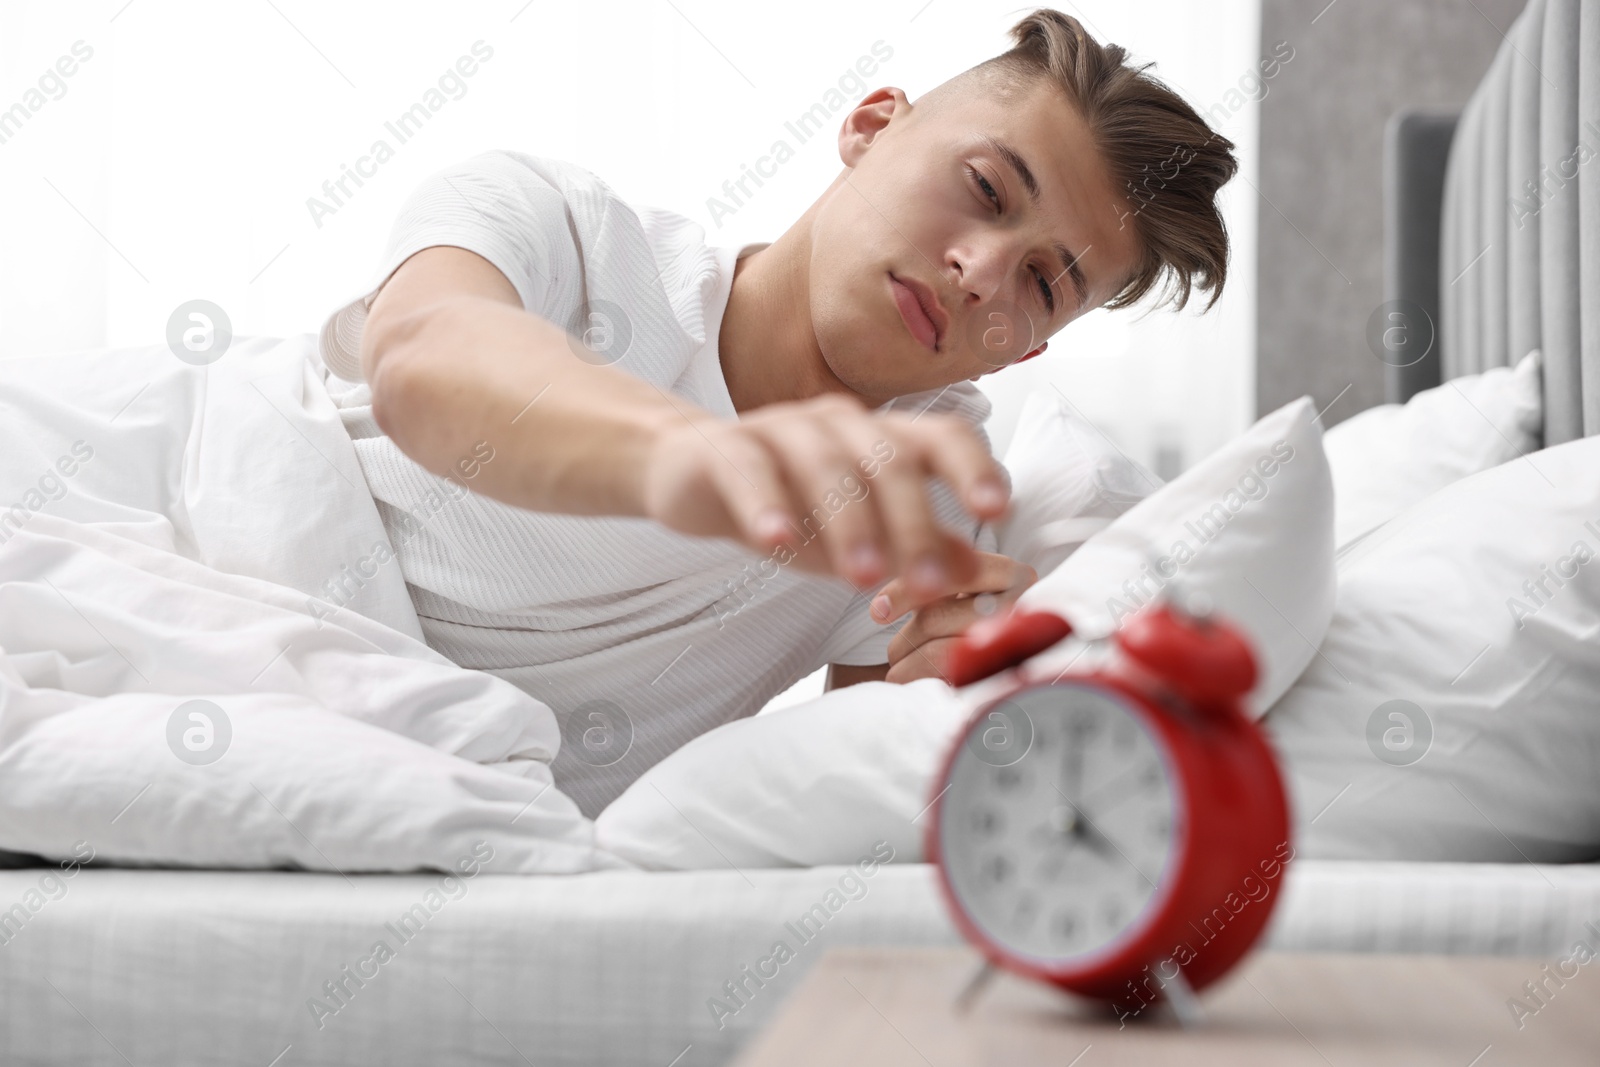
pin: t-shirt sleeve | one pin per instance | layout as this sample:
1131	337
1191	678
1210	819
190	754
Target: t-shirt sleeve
501	205
857	640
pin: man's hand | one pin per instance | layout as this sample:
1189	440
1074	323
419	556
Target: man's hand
844	488
920	649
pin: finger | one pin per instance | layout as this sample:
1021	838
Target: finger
943	618
994	574
960	562
960	558
911	637
861	436
948	617
918	545
929	661
818	472
752	489
952	450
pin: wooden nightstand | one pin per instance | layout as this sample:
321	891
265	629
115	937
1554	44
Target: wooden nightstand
888	1007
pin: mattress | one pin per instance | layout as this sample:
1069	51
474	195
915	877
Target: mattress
279	969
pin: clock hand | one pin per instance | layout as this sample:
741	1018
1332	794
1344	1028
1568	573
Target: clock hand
1093	836
1077	825
1096	839
1075	766
1069	821
1116	788
1072	764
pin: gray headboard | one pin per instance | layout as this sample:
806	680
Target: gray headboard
1492	219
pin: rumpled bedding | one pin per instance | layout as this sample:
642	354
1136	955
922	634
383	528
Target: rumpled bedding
207	655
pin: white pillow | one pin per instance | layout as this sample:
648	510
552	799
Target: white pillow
819	782
1068	481
1391	456
1442	608
800	786
1250	526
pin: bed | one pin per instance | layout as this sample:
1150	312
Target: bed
265	968
616	968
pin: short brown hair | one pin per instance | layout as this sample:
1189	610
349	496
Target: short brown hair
1155	145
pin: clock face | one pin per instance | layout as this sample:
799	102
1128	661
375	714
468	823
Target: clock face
1058	822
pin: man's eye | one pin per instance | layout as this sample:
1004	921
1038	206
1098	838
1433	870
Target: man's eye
1048	293
988	190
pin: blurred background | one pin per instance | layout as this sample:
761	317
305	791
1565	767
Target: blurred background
179	160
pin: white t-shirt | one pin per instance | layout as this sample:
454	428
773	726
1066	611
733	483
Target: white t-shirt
639	638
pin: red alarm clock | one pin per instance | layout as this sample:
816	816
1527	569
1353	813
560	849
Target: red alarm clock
1118	829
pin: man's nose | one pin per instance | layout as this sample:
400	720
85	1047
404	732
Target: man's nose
983	271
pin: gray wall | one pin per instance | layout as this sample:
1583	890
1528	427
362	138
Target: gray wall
1321	210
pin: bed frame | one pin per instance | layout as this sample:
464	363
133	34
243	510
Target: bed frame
1492	219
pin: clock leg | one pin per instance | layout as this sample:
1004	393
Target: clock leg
974	987
1185	1004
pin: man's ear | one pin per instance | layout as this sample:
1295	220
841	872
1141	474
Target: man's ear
867	120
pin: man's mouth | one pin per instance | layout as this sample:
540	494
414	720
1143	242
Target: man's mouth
920	311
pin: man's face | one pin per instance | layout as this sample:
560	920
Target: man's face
935	258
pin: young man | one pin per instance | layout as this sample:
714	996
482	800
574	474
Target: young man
679	515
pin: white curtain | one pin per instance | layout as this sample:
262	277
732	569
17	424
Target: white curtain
177	160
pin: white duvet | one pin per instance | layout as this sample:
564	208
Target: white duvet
177	684
208	656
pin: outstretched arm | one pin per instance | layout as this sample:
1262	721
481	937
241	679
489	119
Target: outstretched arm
453	359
